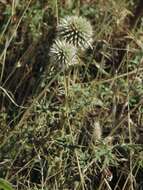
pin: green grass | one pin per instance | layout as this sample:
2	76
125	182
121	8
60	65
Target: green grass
78	128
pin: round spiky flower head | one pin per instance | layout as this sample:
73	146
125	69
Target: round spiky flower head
63	54
76	30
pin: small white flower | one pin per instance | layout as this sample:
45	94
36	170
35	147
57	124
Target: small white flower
97	132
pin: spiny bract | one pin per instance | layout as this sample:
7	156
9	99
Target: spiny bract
76	30
63	54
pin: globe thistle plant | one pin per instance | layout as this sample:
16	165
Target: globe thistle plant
76	30
63	54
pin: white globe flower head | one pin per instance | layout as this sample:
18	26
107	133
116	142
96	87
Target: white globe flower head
76	30
63	54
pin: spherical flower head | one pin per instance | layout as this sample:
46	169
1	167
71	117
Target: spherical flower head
63	54
76	30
